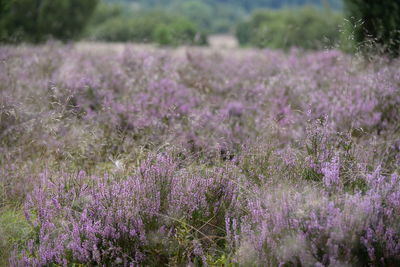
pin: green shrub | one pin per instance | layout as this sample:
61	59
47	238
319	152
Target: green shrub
376	21
38	20
150	27
306	27
163	35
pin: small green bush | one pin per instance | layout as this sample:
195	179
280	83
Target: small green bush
163	35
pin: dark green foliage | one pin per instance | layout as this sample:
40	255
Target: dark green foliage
376	21
37	20
303	27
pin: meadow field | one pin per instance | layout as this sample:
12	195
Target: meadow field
135	156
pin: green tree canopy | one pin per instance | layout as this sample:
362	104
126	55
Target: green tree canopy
303	27
38	20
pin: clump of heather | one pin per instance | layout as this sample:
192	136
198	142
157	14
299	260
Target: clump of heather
128	221
141	157
309	227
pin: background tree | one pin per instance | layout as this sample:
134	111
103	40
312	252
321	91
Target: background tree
147	26
38	20
304	27
376	21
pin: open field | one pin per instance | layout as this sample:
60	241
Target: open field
136	156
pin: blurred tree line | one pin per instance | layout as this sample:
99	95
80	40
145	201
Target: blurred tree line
221	16
366	26
210	16
175	21
119	23
285	23
36	21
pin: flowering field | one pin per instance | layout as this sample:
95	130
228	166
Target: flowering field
150	157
